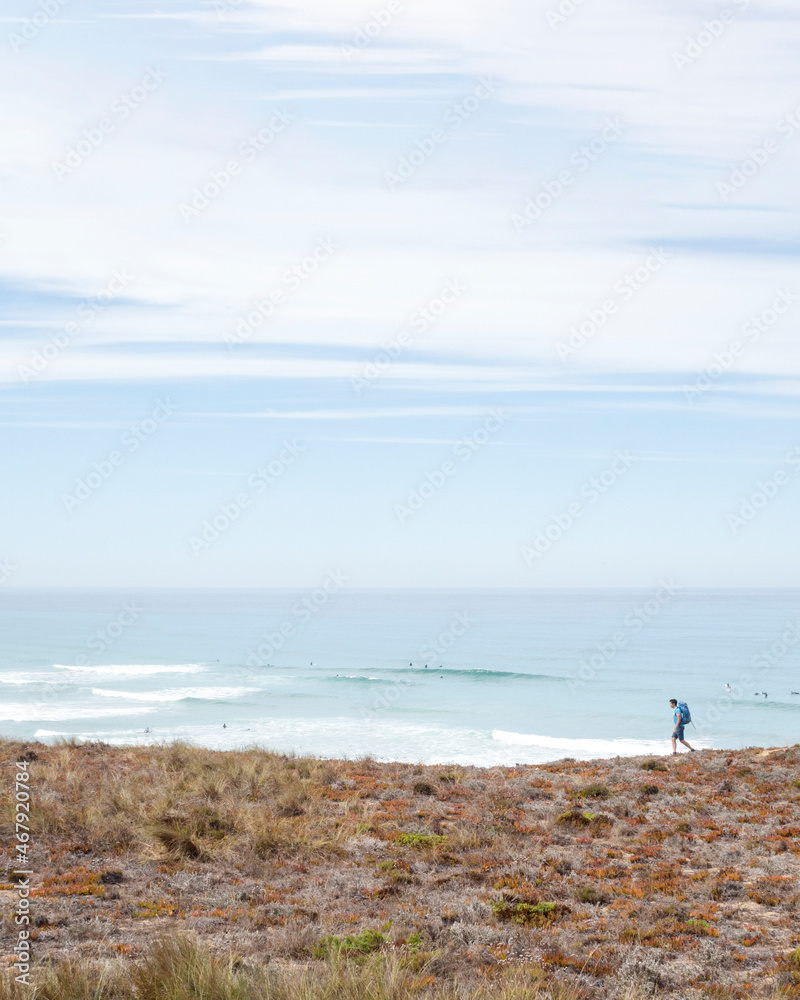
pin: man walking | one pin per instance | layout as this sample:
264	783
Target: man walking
677	729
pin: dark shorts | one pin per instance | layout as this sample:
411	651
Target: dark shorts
678	734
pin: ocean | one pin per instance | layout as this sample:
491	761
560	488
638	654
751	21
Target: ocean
464	677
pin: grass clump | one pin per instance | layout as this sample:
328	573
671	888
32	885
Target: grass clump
526	912
653	765
575	819
700	928
421	840
351	946
596	824
595	792
424	788
590	894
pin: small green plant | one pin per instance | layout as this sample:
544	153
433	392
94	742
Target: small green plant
701	928
653	765
448	778
589	894
649	789
524	913
595	792
352	946
421	840
424	788
575	819
414	942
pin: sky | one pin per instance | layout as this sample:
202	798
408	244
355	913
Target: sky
452	293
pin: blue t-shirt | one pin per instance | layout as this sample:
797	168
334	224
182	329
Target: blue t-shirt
677	718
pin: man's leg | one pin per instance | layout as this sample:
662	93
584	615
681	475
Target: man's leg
687	745
674	745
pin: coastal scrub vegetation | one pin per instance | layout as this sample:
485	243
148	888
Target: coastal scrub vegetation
178	873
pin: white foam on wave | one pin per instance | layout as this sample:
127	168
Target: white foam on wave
135	669
380	738
21	712
33	677
178	694
590	748
130	737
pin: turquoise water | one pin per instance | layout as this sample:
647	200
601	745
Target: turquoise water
511	677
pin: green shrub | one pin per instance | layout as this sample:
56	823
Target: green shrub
415	942
527	913
421	840
701	928
352	945
595	792
589	894
653	765
424	788
575	819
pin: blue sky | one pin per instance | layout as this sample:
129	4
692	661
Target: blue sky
404	279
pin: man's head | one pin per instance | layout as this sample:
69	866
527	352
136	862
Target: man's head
673	702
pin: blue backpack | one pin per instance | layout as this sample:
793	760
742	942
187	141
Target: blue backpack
686	715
